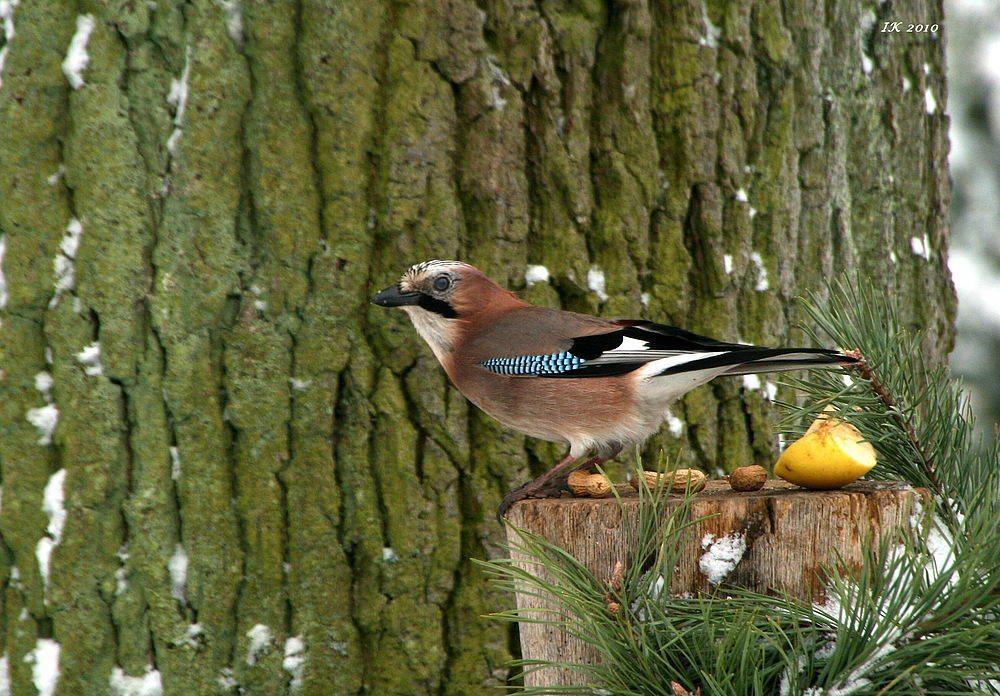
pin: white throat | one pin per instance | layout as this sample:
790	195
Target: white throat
434	329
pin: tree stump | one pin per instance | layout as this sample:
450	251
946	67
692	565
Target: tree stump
787	534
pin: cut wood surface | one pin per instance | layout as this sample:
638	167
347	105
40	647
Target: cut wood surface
787	533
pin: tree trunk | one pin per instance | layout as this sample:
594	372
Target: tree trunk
190	231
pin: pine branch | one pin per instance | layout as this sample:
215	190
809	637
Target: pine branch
918	420
867	373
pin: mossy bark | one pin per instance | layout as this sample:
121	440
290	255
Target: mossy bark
302	450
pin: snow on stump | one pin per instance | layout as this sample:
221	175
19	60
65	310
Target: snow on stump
769	541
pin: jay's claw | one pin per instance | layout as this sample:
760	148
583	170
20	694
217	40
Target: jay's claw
549	485
541	487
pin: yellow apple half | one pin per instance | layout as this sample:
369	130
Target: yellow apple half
830	455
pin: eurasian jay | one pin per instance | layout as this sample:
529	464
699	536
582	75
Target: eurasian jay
594	384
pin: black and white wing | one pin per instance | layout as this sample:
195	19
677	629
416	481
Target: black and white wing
659	349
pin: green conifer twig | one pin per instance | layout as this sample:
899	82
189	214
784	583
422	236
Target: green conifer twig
867	373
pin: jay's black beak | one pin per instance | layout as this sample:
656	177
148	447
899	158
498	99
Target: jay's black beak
392	297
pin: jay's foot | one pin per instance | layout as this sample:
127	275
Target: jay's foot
549	485
552	487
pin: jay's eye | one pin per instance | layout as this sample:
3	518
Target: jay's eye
442	283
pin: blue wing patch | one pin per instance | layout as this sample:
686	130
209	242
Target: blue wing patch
554	364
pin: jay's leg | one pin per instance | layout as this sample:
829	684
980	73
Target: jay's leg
593	461
547	485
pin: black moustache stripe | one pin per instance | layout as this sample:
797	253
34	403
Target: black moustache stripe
432	304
